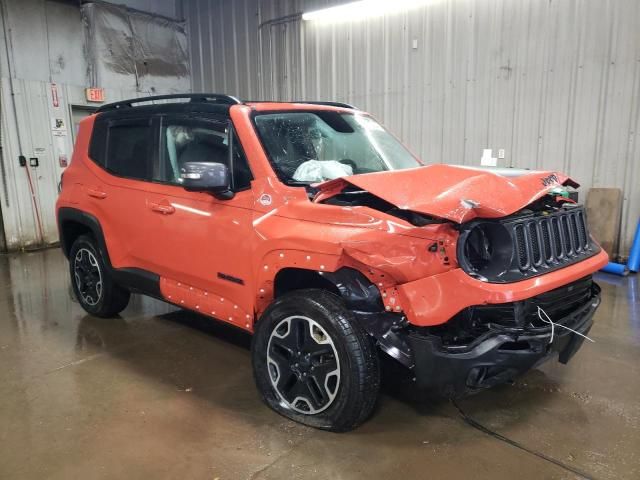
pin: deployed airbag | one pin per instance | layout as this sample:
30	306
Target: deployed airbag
321	170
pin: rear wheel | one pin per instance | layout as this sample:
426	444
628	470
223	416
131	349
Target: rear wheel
92	284
313	363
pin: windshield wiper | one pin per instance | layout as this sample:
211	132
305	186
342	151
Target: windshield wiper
296	183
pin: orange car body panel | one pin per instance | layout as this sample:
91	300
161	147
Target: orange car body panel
186	237
456	193
428	301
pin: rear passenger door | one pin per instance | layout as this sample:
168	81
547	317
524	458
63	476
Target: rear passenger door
126	149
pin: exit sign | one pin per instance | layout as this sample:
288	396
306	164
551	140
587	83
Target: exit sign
94	94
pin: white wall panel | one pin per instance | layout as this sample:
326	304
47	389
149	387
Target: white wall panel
35	110
45	44
554	83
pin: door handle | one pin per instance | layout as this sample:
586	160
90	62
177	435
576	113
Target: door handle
163	208
96	193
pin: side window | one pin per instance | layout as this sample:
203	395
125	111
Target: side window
186	140
98	142
130	149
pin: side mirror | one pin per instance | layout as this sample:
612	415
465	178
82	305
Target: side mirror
207	177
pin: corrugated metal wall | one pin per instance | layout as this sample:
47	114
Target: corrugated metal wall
556	83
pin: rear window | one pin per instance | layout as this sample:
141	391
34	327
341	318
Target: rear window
124	147
129	152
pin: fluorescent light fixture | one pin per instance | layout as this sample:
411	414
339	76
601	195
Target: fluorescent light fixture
362	9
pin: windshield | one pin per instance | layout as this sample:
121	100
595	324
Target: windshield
309	147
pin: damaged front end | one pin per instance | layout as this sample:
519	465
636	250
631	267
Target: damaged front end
488	345
485	345
468	278
483	341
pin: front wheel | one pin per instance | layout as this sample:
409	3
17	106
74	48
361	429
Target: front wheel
313	363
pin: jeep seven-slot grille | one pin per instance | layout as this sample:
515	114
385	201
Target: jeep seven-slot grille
557	239
526	244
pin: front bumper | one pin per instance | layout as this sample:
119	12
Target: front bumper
434	300
499	355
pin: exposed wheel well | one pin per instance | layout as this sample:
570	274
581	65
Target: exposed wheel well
358	292
289	279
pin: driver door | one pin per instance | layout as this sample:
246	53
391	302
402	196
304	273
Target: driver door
202	244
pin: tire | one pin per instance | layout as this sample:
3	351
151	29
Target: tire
313	363
91	280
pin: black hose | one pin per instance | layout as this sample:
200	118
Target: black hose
478	426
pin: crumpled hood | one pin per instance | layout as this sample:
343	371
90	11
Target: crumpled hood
455	193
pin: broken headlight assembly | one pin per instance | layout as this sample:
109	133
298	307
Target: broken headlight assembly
485	250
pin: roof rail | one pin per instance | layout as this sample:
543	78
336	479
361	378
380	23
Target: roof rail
331	104
215	98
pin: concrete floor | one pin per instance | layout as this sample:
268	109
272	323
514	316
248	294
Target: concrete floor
163	393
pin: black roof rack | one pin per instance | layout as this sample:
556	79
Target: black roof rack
331	104
214	98
211	98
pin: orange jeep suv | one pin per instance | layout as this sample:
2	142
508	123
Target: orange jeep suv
312	227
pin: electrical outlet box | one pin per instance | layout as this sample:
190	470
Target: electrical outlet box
501	153
33	161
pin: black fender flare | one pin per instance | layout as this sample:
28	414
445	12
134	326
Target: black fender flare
134	279
69	214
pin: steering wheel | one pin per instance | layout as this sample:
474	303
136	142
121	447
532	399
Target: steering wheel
351	163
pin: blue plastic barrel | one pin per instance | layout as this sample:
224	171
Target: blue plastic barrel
634	256
615	268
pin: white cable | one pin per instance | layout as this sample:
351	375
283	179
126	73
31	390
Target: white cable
553	324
